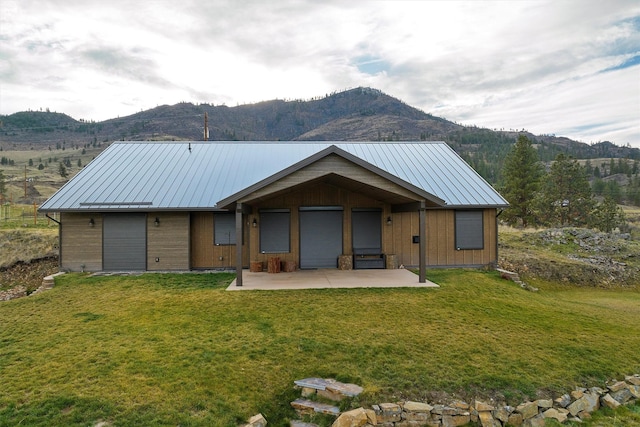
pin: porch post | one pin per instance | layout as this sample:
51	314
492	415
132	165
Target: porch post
423	242
239	244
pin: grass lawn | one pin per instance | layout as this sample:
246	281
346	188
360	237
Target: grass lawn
177	349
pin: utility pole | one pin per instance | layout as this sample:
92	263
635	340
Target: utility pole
25	181
206	126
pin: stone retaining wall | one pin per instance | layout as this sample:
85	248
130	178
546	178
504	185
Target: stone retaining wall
576	406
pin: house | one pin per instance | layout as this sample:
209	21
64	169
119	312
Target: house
214	205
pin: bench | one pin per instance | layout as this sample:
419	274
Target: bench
364	258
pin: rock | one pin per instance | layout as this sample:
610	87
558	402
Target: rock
458	404
304	406
561	417
444	410
354	418
622	396
587	403
308	391
537	421
544	403
481	406
609	401
301	424
577	394
502	414
634	390
388	412
515	419
455	420
487	420
617	386
528	410
257	421
416	407
563	401
633	379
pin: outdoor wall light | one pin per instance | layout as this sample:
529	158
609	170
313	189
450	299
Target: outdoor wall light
388	220
254	224
92	223
157	222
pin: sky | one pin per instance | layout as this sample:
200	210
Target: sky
561	67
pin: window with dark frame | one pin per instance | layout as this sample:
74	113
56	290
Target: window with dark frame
224	229
469	230
275	231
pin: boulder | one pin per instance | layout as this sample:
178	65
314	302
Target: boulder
416	407
354	418
617	386
587	403
561	417
609	401
528	410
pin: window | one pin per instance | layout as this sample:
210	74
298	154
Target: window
224	229
469	230
274	230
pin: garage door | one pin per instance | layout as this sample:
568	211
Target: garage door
320	237
125	242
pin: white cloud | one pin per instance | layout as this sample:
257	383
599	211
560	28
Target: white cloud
532	64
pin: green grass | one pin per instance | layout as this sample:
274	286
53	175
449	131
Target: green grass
177	349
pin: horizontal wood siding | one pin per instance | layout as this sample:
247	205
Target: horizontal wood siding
80	244
441	249
318	194
204	253
168	242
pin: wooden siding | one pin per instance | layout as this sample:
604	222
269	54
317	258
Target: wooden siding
204	253
441	250
312	195
333	164
169	242
80	244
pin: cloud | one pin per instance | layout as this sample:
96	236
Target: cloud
550	66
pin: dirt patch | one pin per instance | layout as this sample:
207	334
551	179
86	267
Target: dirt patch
22	278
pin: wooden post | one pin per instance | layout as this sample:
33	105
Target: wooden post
239	244
35	214
423	243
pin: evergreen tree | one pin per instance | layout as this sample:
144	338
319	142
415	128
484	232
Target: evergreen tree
521	173
62	170
607	215
566	197
3	186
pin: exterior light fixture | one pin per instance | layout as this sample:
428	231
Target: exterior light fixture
254	224
388	220
91	223
157	222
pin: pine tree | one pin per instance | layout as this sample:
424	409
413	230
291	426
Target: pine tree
566	197
3	185
62	170
521	173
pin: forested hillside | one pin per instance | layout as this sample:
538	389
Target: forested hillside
361	114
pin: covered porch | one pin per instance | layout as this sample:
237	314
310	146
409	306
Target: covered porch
328	278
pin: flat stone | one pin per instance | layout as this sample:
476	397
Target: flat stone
515	419
633	379
622	396
482	406
487	420
544	403
634	390
455	420
354	418
416	407
617	386
577	394
308	406
537	421
502	414
609	401
563	401
331	385
458	404
527	409
258	421
587	403
296	423
561	417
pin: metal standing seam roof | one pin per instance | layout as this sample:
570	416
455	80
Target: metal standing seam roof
168	176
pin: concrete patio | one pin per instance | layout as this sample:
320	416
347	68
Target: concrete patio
329	279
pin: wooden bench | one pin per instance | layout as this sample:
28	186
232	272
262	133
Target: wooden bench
364	258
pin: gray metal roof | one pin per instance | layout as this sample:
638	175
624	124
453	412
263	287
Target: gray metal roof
167	176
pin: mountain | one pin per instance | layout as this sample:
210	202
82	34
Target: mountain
353	115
